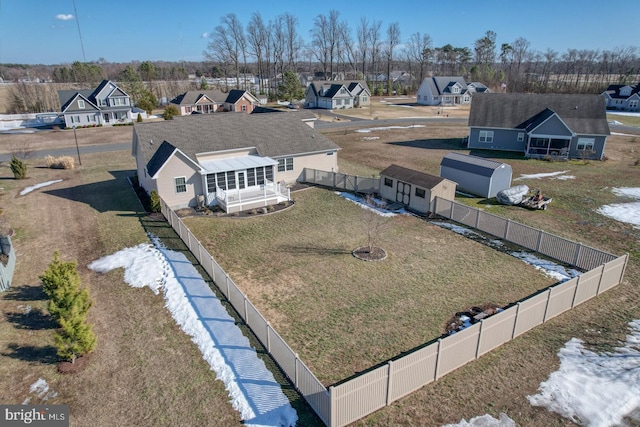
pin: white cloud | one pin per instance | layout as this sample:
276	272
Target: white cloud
64	17
204	35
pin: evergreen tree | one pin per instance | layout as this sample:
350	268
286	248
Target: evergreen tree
154	201
291	89
18	167
68	304
170	111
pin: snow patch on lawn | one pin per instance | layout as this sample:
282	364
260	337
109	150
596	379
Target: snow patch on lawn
367	130
254	392
624	212
595	390
35	187
544	175
485	421
41	389
379	206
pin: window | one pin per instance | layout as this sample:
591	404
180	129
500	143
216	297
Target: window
285	164
456	89
388	182
520	136
251	177
420	193
466	98
244	108
330	153
81	104
181	184
364	98
633	104
343	91
586	143
187	110
486	136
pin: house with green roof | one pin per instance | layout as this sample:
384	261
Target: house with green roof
235	161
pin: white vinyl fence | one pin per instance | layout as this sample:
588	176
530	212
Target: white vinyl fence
360	396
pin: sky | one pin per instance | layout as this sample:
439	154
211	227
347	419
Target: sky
48	31
587	388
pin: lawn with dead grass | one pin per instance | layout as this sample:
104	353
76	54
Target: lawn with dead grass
144	371
343	315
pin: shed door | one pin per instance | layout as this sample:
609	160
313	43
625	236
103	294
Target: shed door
403	192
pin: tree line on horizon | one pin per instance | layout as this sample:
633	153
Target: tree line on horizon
368	52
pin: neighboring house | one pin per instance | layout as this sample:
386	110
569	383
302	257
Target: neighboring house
235	161
447	90
477	87
539	125
240	101
416	190
211	101
105	105
334	95
623	97
476	175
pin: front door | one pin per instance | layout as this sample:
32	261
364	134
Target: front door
106	117
403	192
241	178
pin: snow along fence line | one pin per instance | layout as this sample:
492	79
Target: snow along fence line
313	391
351	400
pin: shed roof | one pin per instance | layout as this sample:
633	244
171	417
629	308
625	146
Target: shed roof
472	164
411	176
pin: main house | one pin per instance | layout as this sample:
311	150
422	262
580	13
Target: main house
539	125
211	101
447	91
623	97
235	161
334	95
105	105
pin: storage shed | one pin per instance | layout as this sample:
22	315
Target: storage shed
416	190
476	175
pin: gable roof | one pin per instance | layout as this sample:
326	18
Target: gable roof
66	97
411	176
192	96
333	86
273	135
441	85
473	164
614	90
583	114
236	94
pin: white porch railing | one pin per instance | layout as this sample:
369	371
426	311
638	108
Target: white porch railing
237	200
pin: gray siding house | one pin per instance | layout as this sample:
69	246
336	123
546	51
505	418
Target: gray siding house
105	105
539	125
623	97
416	190
476	175
447	90
235	161
337	94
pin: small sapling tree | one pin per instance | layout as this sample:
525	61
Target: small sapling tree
18	167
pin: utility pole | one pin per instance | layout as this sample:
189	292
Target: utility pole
77	148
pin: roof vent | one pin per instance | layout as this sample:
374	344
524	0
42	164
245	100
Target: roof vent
151	141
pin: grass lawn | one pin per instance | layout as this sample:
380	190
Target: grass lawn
343	315
144	371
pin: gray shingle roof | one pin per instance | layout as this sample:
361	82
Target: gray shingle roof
411	176
584	114
273	135
192	96
473	164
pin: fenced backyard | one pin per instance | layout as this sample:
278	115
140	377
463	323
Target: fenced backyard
347	401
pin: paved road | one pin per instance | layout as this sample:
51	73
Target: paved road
320	125
72	151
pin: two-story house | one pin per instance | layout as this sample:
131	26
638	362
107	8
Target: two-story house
623	97
105	105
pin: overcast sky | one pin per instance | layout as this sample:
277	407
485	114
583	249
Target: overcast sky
46	31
